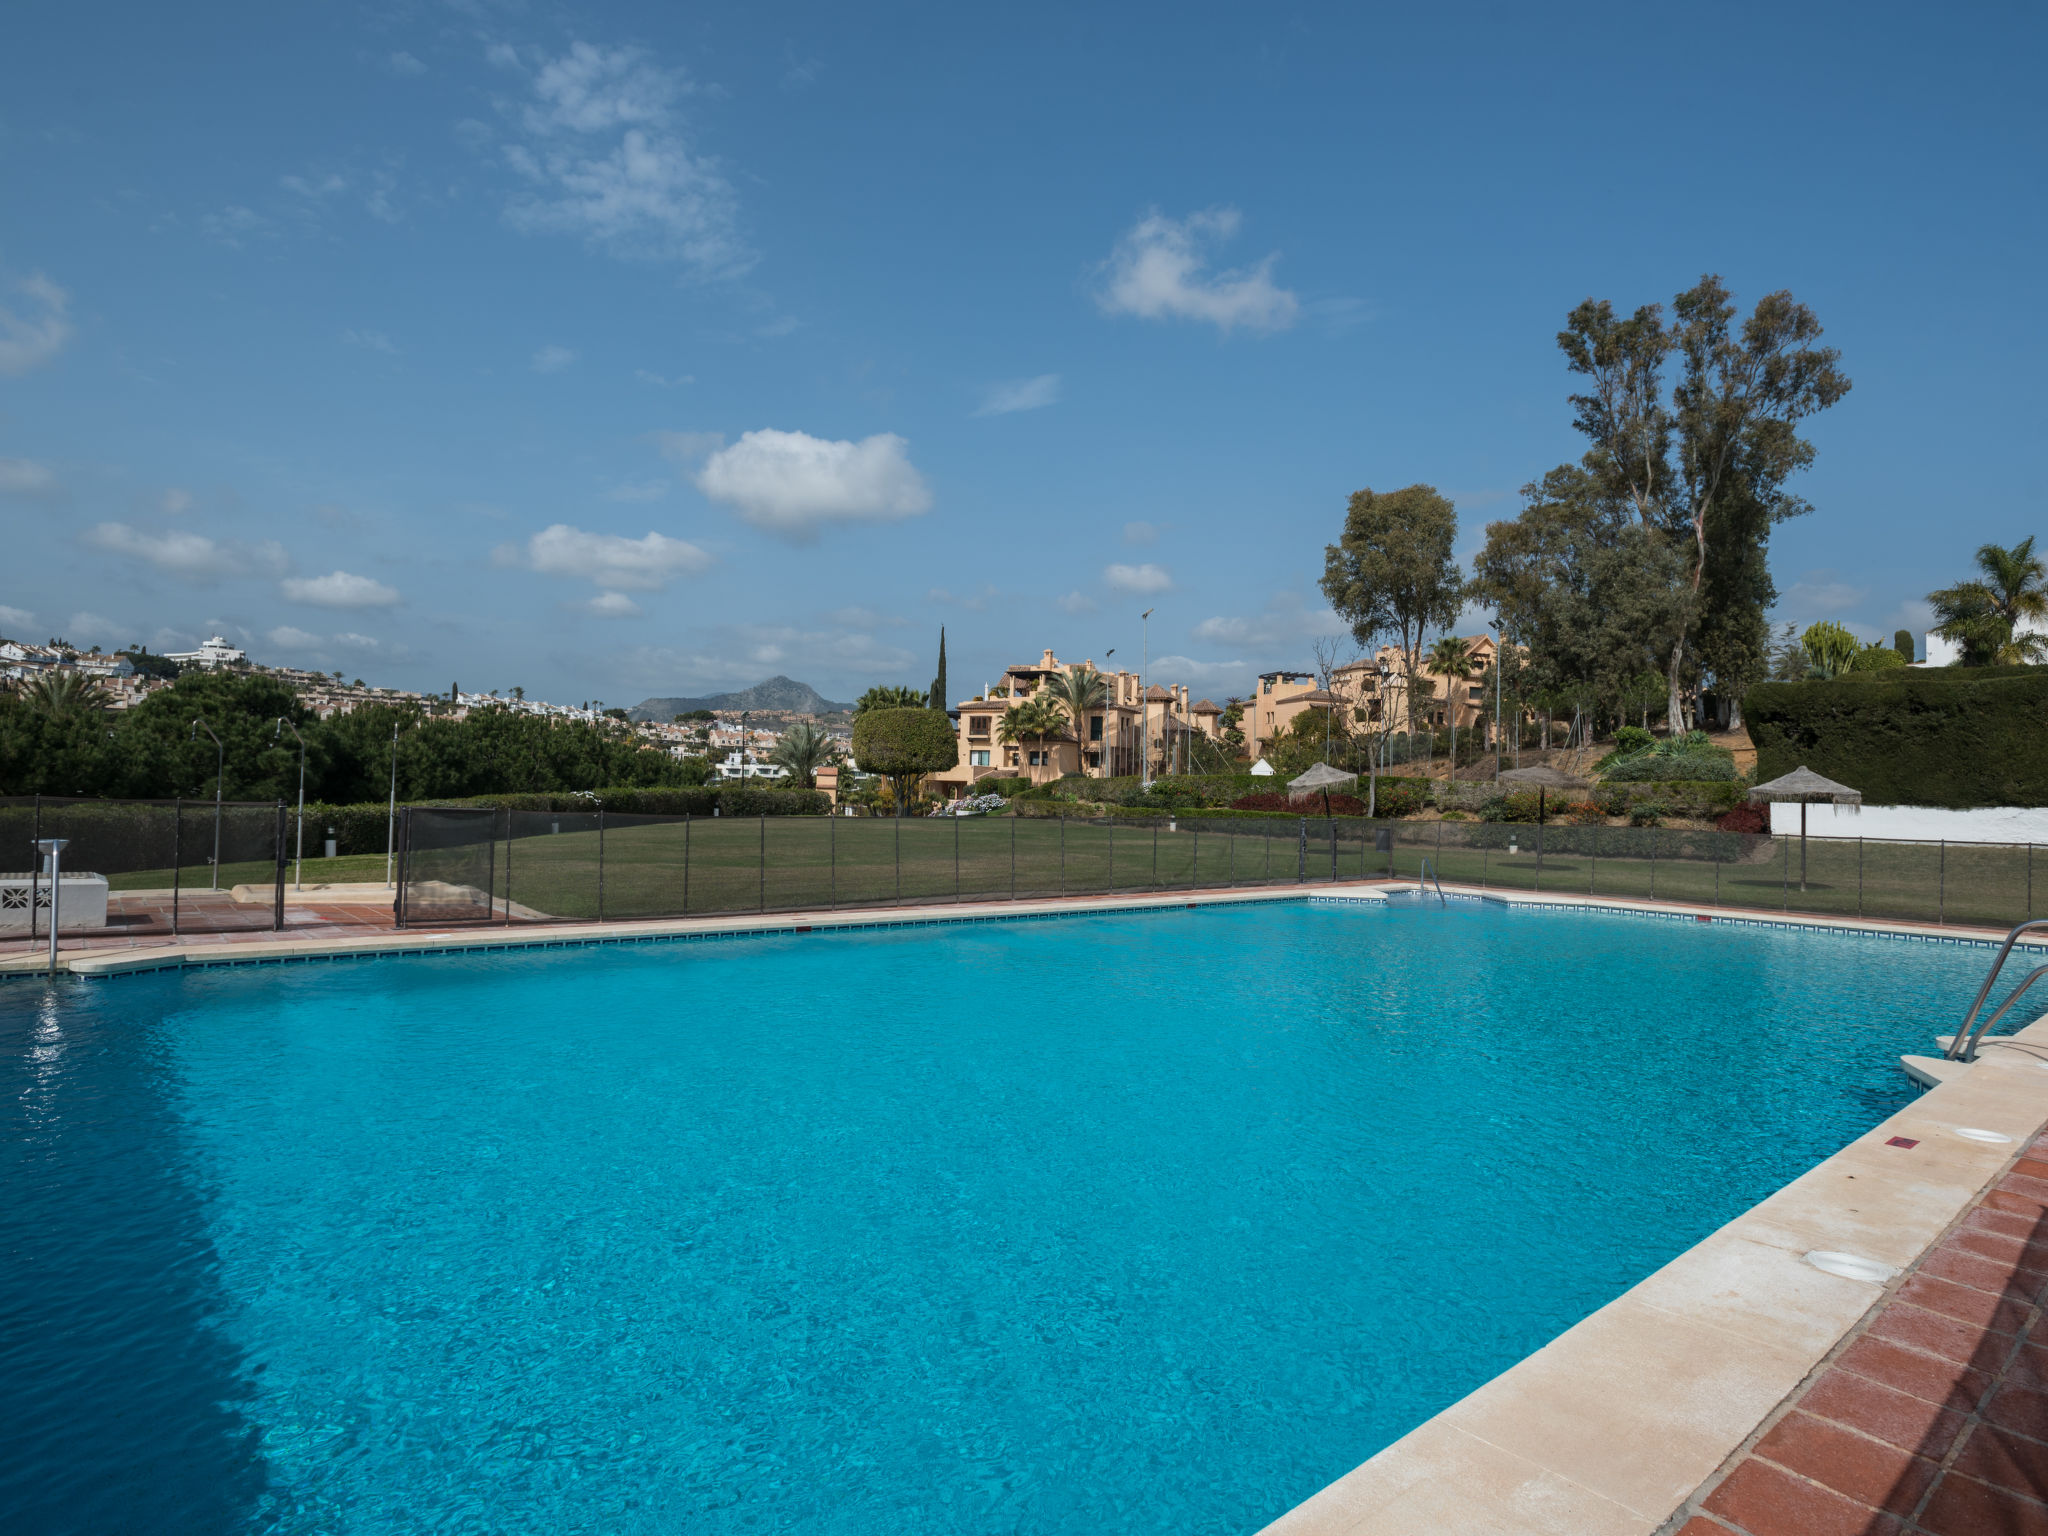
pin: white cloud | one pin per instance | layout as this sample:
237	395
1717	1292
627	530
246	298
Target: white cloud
1137	578
684	449
88	626
639	490
19	620
612	605
1159	271
1141	533
287	638
1288	623
793	483
191	555
370	341
1021	395
608	559
313	187
338	589
176	502
552	359
32	335
662	382
358	642
1075	602
1819	595
25	477
402	63
603	156
235	224
1219	676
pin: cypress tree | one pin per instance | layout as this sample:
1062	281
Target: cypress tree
938	695
1902	642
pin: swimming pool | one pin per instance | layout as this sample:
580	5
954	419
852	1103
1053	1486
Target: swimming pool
1132	1223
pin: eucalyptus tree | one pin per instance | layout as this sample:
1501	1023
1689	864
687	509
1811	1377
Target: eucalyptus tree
1392	572
1703	462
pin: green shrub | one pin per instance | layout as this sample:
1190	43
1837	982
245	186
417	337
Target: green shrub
1006	787
1696	765
1631	739
1939	736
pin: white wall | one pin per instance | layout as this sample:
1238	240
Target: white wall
1992	824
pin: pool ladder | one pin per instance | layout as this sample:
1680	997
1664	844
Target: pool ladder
1421	890
1963	1047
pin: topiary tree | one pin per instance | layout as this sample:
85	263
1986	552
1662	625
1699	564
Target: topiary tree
904	745
1902	642
889	696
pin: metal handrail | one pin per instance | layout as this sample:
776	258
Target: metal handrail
1964	1046
1422	890
2003	1008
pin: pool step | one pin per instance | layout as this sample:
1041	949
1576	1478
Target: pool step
1933	1071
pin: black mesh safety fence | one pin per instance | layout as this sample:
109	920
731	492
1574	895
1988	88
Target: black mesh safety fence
169	866
447	866
602	866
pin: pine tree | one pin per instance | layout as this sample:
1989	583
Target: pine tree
938	696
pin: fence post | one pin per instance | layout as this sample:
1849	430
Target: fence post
956	860
832	856
1013	858
1941	910
508	866
277	905
1230	857
1195	878
1653	866
1112	855
1859	877
2030	881
1593	864
1301	853
1155	855
1063	854
1785	874
401	836
600	863
686	863
35	875
763	877
1538	886
177	855
1333	850
1717	870
899	855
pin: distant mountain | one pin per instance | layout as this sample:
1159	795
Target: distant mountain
784	693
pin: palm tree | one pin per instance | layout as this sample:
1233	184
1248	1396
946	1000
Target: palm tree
1984	617
1080	691
1451	658
802	750
885	696
56	695
1036	719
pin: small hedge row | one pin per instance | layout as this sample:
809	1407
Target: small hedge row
1942	736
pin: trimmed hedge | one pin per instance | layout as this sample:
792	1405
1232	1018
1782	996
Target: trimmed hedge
1951	736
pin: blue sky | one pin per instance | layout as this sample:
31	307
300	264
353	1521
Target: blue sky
625	350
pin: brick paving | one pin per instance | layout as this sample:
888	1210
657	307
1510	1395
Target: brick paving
1932	1417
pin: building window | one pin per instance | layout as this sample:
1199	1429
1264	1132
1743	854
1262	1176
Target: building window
1010	758
1094	759
977	726
978	759
1095	727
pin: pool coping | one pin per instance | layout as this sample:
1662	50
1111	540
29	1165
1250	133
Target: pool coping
286	947
1610	1427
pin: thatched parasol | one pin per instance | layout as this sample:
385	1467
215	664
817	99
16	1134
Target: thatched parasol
1544	778
1321	777
1804	787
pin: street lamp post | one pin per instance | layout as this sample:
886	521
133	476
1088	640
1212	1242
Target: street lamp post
299	848
220	755
1145	704
1497	676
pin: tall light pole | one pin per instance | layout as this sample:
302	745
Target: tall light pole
220	756
1497	677
1145	704
299	849
743	744
1106	746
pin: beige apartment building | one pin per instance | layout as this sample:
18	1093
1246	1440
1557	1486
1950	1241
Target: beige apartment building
1110	746
1379	686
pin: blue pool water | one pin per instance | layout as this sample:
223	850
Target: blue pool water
1119	1223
